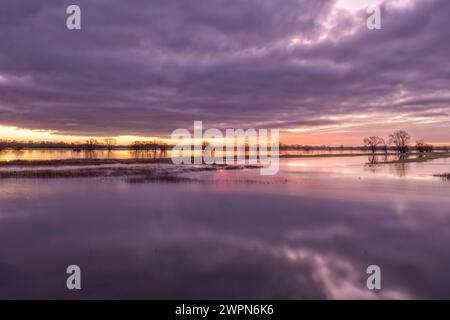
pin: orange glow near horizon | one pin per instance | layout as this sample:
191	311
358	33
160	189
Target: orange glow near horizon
21	134
348	133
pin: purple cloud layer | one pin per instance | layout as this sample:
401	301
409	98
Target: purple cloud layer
148	67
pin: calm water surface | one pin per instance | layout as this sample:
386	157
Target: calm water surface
56	154
309	232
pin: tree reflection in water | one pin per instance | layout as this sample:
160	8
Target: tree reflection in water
148	154
377	163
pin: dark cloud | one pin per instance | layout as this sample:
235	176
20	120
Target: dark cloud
148	67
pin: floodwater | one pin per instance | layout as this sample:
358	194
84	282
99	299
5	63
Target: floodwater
61	154
309	232
58	154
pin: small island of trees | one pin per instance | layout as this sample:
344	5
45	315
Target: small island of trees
399	140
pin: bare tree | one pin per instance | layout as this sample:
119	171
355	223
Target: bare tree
429	147
136	145
420	146
384	145
373	143
424	147
163	146
110	143
401	140
205	144
91	144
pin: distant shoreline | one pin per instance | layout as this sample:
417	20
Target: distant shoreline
82	148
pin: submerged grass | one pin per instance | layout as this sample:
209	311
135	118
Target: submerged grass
135	174
159	177
75	173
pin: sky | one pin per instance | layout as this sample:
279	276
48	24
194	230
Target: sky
142	68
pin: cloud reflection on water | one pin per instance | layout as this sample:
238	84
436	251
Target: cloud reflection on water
195	241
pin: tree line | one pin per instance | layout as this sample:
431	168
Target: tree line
88	145
400	140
